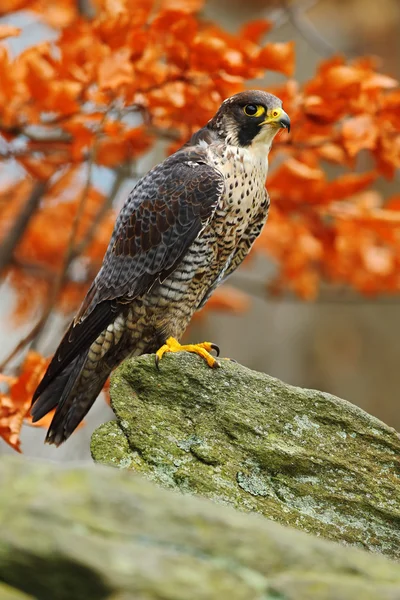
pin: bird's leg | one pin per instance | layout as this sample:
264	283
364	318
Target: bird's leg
203	350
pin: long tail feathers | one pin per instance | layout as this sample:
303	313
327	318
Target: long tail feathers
77	373
72	408
72	394
60	386
78	338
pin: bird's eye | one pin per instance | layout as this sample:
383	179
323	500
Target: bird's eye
253	110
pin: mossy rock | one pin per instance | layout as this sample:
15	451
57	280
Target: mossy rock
95	533
301	457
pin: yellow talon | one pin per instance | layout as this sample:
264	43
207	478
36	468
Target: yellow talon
203	350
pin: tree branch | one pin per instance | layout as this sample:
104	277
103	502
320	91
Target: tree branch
60	279
86	9
16	232
107	204
307	30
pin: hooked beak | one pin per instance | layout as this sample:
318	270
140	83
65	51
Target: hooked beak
284	121
278	117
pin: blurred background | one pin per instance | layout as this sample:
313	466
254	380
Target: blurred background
343	343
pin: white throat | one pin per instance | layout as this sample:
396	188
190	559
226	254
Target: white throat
250	163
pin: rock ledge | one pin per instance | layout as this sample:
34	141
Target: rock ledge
301	457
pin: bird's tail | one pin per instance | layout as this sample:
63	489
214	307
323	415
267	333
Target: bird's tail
90	349
72	393
78	371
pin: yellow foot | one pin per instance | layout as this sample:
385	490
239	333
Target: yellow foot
203	350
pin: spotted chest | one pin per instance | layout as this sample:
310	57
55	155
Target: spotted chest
245	171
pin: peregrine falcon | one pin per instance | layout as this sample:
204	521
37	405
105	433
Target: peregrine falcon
185	227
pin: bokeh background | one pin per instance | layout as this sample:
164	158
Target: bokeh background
341	343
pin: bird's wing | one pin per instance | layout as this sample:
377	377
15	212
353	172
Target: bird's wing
165	212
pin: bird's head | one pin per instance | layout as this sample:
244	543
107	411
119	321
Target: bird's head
250	118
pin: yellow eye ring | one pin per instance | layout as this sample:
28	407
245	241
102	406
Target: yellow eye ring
253	110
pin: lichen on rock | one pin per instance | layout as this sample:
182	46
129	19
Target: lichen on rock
301	457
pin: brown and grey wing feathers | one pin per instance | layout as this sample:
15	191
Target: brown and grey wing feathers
165	212
156	229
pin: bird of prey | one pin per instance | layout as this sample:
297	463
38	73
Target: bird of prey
187	224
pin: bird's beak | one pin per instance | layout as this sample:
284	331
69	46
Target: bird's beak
278	117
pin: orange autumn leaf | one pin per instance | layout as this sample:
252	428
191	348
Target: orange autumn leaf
277	57
82	137
12	5
15	404
177	25
32	370
317	109
393	204
64	97
112	7
10	422
32	292
128	143
332	152
255	30
378	81
48	232
359	133
289	181
301	171
379	260
8	31
208	50
37	168
111	152
59	14
227	299
348	185
39	73
342	78
182	5
116	70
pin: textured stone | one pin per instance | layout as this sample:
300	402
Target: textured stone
301	457
95	533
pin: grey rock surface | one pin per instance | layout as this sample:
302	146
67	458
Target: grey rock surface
301	457
95	533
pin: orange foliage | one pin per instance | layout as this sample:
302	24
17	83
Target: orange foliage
15	403
226	299
8	31
97	98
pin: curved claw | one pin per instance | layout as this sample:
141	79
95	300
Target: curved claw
215	348
157	361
